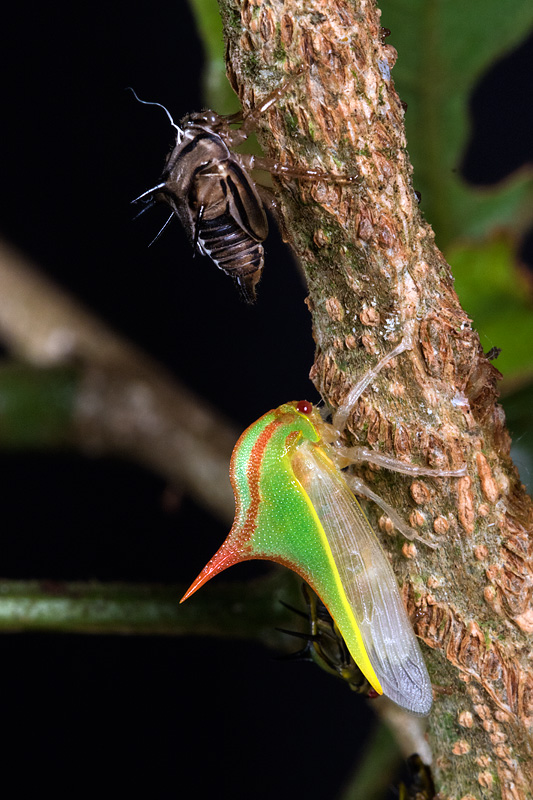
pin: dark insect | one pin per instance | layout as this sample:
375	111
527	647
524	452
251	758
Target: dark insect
493	353
210	189
421	786
325	645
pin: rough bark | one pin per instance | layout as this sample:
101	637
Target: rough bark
373	268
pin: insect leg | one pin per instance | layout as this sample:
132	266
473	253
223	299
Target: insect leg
356	454
251	119
294	609
234	119
149	191
348	455
288	171
250	162
156	237
197	223
147	207
341	415
360	488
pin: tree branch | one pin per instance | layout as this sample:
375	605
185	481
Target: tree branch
372	269
119	402
111	608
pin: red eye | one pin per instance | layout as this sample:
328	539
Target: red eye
304	407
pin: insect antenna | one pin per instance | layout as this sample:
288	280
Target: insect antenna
179	131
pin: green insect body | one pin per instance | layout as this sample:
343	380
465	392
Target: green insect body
294	507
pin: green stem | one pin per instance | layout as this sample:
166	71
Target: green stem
253	611
37	405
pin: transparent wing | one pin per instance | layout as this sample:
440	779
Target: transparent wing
369	582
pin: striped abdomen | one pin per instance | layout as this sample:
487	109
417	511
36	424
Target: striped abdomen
233	250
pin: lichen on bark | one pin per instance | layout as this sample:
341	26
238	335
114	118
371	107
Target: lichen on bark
373	271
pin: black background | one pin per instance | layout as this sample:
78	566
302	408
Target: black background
114	714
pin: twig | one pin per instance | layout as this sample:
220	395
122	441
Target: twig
124	403
111	608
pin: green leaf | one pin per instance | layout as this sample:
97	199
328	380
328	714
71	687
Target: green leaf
499	300
518	414
217	91
444	47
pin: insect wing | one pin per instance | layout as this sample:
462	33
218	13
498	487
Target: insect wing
244	203
368	582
